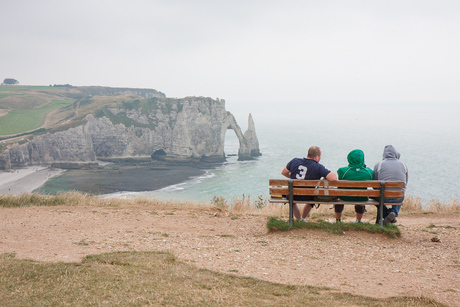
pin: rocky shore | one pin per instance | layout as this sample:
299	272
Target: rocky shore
112	178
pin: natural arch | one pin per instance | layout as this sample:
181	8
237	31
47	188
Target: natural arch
248	143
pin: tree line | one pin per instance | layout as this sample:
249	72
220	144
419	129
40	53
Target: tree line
10	81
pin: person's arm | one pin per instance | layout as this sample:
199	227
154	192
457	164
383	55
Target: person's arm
376	174
331	177
407	174
286	173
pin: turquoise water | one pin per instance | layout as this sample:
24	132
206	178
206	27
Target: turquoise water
427	136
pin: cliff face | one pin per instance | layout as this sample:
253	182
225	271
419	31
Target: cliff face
190	128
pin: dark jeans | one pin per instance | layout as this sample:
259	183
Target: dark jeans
394	209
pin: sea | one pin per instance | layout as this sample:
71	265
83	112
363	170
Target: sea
426	135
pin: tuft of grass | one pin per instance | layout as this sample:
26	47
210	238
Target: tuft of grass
392	231
227	236
247	205
414	204
453	205
83	243
75	199
220	202
159	279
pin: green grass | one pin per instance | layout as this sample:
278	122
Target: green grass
38	200
20	121
4	95
159	279
391	230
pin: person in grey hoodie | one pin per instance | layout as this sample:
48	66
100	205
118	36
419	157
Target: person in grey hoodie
391	169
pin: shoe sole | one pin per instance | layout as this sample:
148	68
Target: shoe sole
391	218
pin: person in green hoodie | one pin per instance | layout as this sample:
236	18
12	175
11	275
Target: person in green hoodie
356	170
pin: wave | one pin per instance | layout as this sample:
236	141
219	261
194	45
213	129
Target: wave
190	181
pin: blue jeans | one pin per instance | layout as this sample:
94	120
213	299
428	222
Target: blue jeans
394	209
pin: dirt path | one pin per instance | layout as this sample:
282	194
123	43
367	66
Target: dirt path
359	263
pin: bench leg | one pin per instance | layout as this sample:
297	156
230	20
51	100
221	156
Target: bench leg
291	201
381	202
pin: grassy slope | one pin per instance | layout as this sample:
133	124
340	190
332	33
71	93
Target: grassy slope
20	121
152	278
31	107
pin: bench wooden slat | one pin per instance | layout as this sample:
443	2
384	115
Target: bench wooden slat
338	183
335	192
340	202
278	182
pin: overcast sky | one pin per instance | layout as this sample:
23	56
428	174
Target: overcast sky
242	51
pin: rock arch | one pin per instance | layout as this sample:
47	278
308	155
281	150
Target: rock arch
249	144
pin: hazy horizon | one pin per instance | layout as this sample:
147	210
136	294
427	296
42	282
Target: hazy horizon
249	53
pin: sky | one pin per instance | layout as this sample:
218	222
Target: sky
246	52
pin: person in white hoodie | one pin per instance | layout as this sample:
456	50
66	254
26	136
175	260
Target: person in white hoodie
391	169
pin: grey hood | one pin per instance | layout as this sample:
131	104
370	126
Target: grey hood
390	168
389	152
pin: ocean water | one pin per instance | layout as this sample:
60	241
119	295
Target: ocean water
427	136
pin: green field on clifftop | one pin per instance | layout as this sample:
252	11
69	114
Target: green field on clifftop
26	109
20	121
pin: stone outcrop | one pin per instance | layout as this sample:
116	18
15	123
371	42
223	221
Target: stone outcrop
192	127
251	138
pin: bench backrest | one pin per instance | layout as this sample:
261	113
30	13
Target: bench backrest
369	188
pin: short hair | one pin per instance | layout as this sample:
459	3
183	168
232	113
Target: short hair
313	152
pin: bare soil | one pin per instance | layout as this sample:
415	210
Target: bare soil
425	261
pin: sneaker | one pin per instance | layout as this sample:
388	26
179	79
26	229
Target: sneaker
338	221
358	221
302	219
391	218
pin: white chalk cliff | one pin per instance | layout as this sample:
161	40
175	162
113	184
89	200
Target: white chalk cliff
192	127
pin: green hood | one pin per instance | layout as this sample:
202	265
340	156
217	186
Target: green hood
356	159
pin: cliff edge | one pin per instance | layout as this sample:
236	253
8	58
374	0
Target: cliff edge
116	126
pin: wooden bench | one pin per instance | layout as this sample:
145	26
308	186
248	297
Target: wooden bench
329	192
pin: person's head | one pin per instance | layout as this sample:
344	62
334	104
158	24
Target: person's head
389	152
314	153
356	158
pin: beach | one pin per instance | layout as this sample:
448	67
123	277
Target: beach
113	178
26	180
